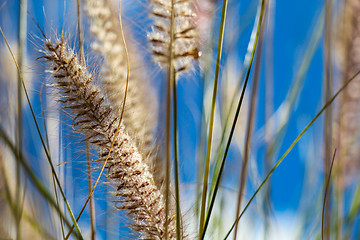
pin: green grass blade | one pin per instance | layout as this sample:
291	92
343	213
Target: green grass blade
212	117
290	148
250	123
19	122
217	185
10	201
176	163
325	195
42	140
328	124
205	79
36	181
353	213
91	204
88	158
245	66
48	147
355	204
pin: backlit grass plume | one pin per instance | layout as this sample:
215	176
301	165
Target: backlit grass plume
174	33
347	127
94	118
139	115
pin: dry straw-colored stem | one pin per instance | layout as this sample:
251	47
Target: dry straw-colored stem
94	118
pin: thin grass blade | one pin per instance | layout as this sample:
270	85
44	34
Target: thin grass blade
42	140
290	148
245	66
212	117
19	157
217	185
325	195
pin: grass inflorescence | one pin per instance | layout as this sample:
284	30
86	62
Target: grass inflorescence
112	109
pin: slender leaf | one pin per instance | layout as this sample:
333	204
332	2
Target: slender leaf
212	116
290	148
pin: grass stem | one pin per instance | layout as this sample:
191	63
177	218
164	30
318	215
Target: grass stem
19	132
92	204
176	162
249	129
212	117
42	139
290	148
217	185
118	127
325	195
328	113
171	79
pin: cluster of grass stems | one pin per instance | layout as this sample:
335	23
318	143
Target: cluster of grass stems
113	108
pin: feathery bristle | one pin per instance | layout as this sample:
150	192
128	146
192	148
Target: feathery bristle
95	119
185	45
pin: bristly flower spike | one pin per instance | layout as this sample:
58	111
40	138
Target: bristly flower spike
139	115
94	118
186	37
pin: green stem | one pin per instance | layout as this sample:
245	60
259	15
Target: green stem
36	181
92	206
327	120
176	162
325	195
48	147
249	130
19	135
290	148
42	140
232	108
212	117
234	122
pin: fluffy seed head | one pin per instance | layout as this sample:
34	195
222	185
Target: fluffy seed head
141	107
95	119
185	45
347	126
139	115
